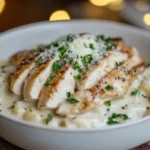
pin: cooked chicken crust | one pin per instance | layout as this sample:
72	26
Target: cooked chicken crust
51	96
22	72
35	82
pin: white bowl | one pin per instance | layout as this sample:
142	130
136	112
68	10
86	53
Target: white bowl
40	137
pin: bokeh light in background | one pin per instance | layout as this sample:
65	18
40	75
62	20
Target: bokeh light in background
105	2
111	4
146	19
99	2
59	15
2	5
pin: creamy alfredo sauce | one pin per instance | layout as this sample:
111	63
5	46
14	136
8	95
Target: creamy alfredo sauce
134	105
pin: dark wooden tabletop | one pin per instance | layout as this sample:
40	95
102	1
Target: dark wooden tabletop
14	13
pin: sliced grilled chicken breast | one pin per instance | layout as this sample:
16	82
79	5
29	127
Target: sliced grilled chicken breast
114	85
117	82
52	95
88	99
18	57
84	104
22	72
91	77
35	82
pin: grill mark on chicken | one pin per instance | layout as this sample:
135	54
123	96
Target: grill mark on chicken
47	98
97	71
34	83
23	70
18	57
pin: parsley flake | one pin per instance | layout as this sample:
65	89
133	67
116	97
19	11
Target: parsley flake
87	59
56	66
91	46
49	118
76	66
39	60
108	103
134	93
119	63
77	76
46	84
109	88
111	121
55	44
109	48
72	100
68	94
69	38
114	116
148	65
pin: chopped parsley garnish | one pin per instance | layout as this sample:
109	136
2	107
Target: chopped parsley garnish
87	59
69	38
134	93
123	116
68	94
108	103
46	84
63	55
77	76
49	118
109	48
119	63
109	88
56	66
76	66
128	72
91	46
63	49
109	39
102	37
72	100
114	116
39	60
50	77
55	44
111	121
48	80
148	65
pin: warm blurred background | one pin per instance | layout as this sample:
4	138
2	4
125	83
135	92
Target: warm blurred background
19	12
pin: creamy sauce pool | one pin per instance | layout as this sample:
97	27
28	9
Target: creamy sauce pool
135	105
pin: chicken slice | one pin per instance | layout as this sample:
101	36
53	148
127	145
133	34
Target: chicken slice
35	82
18	57
22	72
52	95
122	77
84	104
91	77
116	83
87	99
